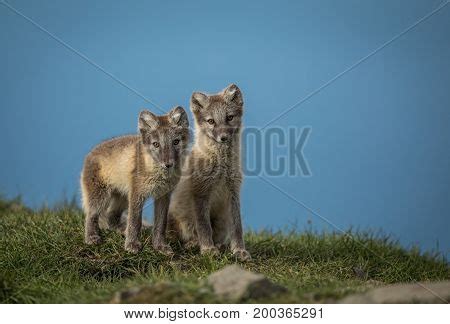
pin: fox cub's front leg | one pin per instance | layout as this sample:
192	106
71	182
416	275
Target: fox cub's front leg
203	225
237	239
160	226
134	223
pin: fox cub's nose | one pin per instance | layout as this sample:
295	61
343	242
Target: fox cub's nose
168	165
223	138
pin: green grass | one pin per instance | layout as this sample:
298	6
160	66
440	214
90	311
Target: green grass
43	260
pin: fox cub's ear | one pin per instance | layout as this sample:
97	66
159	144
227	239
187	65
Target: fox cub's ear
179	117
147	121
232	93
198	101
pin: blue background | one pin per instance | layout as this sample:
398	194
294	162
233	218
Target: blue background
379	147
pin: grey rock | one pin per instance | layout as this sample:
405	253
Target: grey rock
236	284
421	292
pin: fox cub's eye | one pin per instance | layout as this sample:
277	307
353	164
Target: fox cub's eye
230	118
175	142
155	144
210	121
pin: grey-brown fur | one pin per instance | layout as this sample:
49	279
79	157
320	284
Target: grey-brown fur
123	172
205	205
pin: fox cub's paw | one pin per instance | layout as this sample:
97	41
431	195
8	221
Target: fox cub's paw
242	255
209	250
93	239
133	247
163	248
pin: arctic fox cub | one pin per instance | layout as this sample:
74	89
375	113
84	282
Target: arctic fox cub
121	173
205	205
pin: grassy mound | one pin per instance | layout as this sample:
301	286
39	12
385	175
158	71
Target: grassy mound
43	260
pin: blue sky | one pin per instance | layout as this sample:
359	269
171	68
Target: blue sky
379	146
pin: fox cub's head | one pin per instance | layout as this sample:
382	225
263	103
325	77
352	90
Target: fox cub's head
219	115
165	138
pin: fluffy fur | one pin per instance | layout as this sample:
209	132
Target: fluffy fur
205	205
121	173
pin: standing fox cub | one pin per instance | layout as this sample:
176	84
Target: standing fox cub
123	172
205	205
